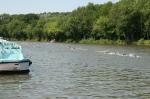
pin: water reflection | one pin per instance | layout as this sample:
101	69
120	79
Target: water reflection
14	78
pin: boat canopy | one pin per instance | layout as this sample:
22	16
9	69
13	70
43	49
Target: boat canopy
10	51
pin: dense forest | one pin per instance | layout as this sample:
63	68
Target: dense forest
126	20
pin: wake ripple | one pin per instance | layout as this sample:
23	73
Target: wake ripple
131	55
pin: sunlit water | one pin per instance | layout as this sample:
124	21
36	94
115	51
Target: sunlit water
66	71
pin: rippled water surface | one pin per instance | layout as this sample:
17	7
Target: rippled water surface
66	71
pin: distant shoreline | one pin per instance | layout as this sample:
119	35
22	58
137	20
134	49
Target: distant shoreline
97	42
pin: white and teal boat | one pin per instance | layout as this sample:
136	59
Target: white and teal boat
11	58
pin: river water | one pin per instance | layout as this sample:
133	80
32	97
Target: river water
74	71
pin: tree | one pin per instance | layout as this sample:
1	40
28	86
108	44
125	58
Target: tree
103	29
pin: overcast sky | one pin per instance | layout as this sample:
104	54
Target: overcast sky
39	6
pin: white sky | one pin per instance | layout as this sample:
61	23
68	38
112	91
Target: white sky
39	6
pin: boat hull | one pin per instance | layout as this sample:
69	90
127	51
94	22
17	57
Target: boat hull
15	66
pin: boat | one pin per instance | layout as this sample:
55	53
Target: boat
12	59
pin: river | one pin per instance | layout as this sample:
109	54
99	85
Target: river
74	71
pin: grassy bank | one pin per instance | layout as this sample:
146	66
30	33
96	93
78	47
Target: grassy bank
103	42
143	42
140	42
115	42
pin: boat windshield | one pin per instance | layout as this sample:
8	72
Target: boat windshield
10	51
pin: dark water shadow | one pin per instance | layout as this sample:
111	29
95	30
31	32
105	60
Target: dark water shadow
14	78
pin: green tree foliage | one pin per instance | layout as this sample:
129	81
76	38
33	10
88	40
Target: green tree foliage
103	29
80	23
127	20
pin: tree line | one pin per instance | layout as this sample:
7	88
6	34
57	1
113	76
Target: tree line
127	20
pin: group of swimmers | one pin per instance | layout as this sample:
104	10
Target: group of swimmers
108	52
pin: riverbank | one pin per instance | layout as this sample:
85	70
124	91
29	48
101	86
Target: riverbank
103	42
140	42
